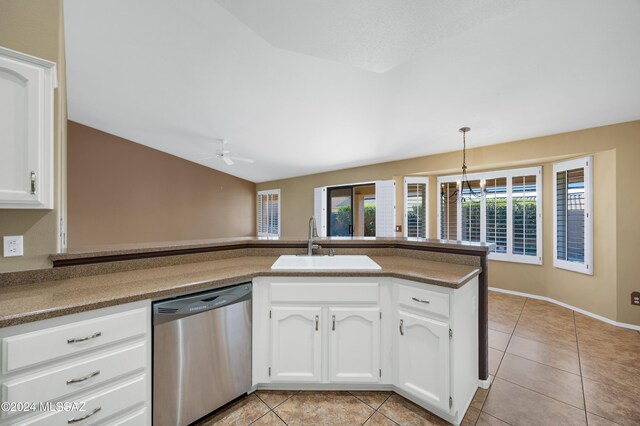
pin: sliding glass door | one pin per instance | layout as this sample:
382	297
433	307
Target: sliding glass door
340	211
351	211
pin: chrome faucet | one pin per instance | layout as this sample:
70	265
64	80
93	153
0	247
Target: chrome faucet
313	232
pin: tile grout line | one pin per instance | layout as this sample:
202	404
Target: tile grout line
505	352
584	398
377	410
541	394
546	365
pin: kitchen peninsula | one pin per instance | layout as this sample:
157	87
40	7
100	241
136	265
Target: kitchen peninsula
83	281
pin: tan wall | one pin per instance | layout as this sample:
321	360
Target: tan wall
36	27
123	192
616	151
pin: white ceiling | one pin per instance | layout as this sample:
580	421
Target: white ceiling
305	86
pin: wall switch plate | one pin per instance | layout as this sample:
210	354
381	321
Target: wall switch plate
398	228
635	298
13	246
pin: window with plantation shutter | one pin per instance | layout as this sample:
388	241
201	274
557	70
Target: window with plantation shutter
502	207
572	215
268	214
416	210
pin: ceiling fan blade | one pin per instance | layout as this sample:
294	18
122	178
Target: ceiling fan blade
244	160
227	161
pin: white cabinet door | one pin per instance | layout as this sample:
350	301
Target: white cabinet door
354	344
423	359
296	344
26	136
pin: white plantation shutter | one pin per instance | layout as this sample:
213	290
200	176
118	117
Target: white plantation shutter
268	213
573	215
471	204
503	208
385	208
416	207
496	213
320	209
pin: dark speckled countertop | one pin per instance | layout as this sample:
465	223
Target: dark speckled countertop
36	301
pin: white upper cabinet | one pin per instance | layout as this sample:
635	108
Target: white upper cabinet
354	344
26	131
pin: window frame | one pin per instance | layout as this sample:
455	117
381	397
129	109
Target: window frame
585	163
508	174
407	181
268	192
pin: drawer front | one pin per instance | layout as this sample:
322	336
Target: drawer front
97	406
325	292
138	418
56	382
43	345
424	300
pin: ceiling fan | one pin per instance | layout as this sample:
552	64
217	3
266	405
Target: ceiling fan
225	155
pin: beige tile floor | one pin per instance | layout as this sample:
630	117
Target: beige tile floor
551	366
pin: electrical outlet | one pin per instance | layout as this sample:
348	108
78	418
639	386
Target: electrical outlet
635	298
398	228
13	246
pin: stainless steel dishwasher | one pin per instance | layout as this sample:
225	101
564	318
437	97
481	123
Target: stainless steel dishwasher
201	353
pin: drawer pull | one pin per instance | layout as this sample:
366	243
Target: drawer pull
415	299
402	327
84	339
85	417
82	379
317	318
333	317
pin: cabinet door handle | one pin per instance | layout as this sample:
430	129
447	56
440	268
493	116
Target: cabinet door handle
415	299
33	183
86	416
402	327
317	318
84	339
333	317
82	379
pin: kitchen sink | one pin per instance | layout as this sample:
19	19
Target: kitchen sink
325	263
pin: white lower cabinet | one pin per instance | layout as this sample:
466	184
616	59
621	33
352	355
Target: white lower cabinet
296	350
343	333
423	358
354	344
88	368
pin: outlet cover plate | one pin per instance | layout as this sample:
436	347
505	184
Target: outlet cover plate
13	246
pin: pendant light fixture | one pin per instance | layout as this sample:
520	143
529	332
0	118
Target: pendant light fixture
464	178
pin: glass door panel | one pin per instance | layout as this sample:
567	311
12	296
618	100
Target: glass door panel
340	212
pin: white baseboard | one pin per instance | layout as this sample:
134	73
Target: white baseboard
484	384
565	305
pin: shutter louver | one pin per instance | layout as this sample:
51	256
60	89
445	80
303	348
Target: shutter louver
496	216
570	211
448	211
471	205
524	213
416	223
